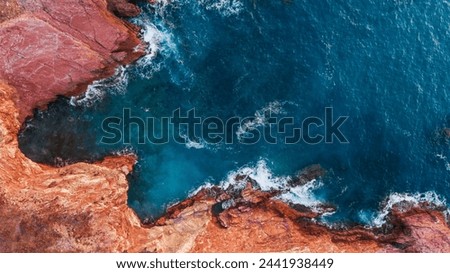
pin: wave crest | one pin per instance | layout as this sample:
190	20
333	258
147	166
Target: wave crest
395	199
261	116
264	178
116	84
226	8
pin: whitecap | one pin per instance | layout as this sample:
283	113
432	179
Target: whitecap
304	195
194	144
225	8
128	150
116	84
264	178
261	116
415	199
159	39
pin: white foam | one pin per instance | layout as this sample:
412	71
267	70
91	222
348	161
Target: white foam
267	181
194	144
304	195
259	172
413	199
153	37
260	118
207	185
128	150
160	41
444	159
97	90
161	3
225	8
198	143
447	215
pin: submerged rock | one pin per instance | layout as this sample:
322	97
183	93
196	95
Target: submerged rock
446	132
123	8
307	174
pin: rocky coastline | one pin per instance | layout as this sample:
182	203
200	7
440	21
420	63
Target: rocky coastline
52	48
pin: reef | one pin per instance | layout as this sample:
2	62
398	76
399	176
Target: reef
51	48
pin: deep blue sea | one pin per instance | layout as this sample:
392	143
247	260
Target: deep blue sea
382	63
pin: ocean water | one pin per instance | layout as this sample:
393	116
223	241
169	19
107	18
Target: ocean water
382	63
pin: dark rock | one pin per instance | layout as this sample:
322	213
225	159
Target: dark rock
307	174
217	208
123	8
446	133
9	9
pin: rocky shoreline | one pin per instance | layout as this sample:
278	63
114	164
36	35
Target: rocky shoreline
51	48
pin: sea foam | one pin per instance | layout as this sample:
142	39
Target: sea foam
267	181
415	199
157	34
260	118
98	89
159	41
225	8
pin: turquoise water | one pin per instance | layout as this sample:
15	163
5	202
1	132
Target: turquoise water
384	64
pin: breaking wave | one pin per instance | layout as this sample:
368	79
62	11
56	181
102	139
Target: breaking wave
260	118
117	83
224	7
264	178
394	199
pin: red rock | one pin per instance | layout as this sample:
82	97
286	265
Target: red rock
418	229
59	47
9	9
248	194
123	8
44	65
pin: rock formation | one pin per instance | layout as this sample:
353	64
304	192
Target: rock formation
58	47
122	8
50	48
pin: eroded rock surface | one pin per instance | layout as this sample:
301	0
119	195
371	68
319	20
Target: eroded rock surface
58	47
9	9
123	8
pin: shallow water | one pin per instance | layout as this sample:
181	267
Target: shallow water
383	64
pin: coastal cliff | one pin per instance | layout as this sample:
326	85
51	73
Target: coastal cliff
50	48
